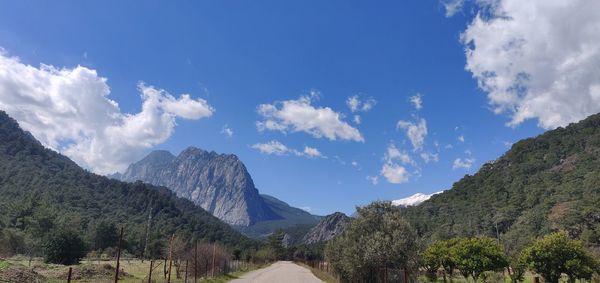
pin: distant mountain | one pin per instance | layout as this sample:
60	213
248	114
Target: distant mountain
330	226
413	200
542	184
221	184
42	191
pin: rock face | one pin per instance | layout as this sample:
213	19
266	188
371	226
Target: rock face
329	227
219	183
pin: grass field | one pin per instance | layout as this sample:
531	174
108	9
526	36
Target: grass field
99	271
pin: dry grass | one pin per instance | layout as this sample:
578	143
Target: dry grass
100	271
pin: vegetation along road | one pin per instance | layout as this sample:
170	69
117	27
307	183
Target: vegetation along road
281	271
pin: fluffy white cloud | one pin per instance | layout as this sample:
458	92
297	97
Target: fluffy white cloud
464	163
227	131
356	105
357	119
416	101
272	147
461	138
311	152
277	148
68	109
394	173
416	132
393	153
301	116
536	59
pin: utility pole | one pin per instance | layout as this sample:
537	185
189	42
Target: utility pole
212	273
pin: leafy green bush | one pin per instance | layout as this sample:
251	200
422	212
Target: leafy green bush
556	254
65	247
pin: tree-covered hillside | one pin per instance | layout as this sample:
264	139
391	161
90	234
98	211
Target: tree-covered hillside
42	191
542	184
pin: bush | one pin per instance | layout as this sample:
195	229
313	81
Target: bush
556	254
65	247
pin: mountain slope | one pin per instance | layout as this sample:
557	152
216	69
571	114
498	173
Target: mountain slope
541	184
413	200
330	226
219	183
41	190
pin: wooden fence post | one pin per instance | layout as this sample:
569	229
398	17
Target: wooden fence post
196	263
118	256
150	274
170	257
186	271
69	276
212	272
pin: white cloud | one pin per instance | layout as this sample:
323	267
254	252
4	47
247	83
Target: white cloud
300	116
461	138
306	208
277	148
537	59
430	157
68	109
416	132
393	153
452	6
354	163
356	105
311	152
272	147
464	163
357	119
227	131
417	101
394	173
373	179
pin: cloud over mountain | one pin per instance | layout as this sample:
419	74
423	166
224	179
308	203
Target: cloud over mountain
69	110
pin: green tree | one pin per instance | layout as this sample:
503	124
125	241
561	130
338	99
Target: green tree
556	254
65	247
438	255
474	256
275	242
105	235
377	238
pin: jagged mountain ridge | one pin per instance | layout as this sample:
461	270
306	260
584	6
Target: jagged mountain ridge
330	226
221	184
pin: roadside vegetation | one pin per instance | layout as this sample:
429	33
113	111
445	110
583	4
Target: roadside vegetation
380	246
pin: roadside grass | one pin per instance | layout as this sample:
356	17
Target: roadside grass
324	276
97	271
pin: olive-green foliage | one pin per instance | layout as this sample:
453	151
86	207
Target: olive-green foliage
556	254
105	235
474	256
544	183
42	191
439	255
377	238
275	242
64	247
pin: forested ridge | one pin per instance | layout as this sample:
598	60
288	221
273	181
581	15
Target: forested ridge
543	184
42	191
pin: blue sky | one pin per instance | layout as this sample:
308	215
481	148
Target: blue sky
233	56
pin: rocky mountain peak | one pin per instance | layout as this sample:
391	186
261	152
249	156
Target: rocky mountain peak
330	226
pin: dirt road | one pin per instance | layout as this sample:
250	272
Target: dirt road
281	271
